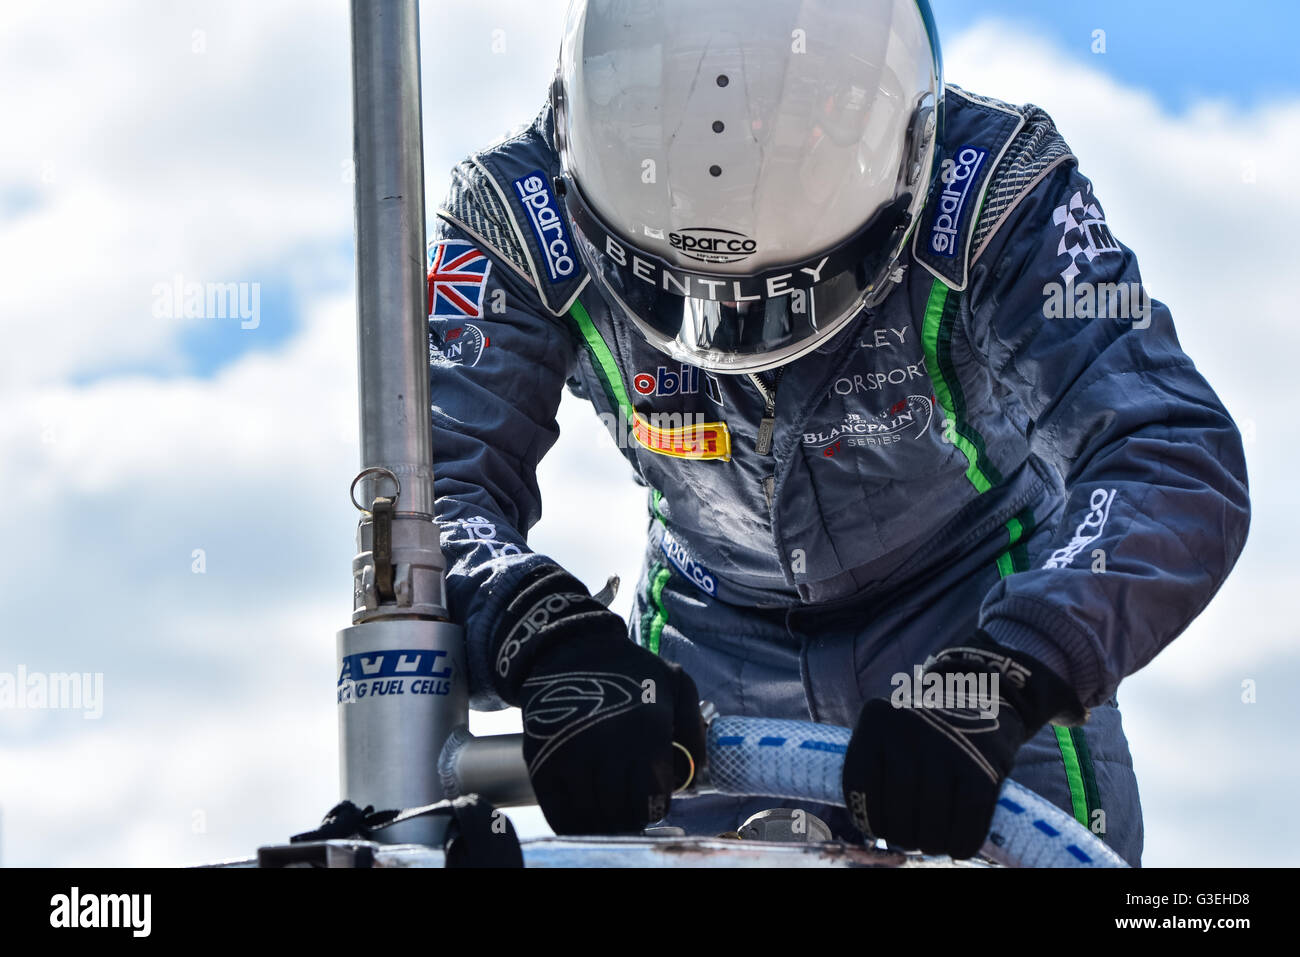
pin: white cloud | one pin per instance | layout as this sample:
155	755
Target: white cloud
207	140
145	159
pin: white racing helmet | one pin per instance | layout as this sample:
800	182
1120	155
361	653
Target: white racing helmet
743	175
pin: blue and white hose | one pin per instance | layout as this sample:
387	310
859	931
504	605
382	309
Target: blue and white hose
799	760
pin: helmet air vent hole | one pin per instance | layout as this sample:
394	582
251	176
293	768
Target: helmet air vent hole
715	170
722	79
719	126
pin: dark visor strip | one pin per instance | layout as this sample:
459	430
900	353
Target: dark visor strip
878	238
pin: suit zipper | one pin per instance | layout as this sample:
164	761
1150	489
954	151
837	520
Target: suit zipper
767	427
763	444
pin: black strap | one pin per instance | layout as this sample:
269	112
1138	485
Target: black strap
478	835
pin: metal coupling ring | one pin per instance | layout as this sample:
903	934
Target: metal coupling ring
373	470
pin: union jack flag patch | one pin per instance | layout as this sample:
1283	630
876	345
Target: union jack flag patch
458	275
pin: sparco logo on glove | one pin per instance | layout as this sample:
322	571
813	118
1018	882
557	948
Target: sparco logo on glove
532	622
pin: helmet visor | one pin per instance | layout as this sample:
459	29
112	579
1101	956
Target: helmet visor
740	323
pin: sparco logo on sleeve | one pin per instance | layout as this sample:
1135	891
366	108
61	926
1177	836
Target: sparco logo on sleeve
957	175
548	225
1087	532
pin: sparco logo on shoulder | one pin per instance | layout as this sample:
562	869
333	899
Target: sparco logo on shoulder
957	175
548	226
707	245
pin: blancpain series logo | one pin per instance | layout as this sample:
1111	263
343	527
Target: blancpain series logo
708	245
462	345
910	416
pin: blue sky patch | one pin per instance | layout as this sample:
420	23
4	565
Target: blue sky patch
1181	52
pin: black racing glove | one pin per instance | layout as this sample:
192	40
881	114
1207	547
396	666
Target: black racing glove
924	774
600	713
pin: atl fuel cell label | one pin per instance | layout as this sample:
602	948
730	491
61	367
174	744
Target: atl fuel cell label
400	671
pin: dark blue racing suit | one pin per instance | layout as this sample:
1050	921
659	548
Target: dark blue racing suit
1013	439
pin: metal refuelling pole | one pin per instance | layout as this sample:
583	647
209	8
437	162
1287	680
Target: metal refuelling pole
401	687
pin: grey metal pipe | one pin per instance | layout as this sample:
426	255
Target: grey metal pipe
492	767
402	685
391	275
398	569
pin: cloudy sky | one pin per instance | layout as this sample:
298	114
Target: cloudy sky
177	517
